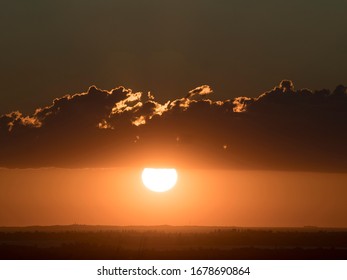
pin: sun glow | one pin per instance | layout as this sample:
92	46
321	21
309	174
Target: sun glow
159	179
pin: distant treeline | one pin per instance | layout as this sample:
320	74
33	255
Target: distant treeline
156	244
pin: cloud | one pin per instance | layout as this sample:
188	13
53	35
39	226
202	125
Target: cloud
201	90
16	119
283	128
241	103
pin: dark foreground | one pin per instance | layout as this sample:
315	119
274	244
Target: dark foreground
93	242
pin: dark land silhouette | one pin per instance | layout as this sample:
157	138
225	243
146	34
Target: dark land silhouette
169	242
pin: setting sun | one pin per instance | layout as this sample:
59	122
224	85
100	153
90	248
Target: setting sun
159	179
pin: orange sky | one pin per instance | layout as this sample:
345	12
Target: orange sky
201	197
184	83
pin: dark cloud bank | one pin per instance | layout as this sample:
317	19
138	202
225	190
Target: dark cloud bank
282	129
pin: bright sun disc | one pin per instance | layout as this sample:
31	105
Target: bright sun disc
159	179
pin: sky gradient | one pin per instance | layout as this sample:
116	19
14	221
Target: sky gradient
240	48
246	99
